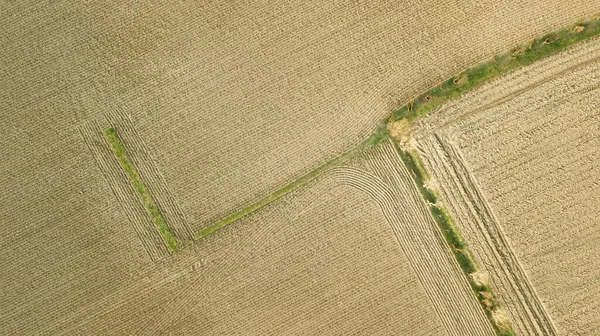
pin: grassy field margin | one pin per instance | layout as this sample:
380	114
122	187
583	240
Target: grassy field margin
159	220
378	136
422	104
456	242
501	64
453	87
430	100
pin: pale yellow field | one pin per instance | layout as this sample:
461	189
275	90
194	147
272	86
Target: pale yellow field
339	256
516	164
262	95
356	252
67	241
235	100
218	104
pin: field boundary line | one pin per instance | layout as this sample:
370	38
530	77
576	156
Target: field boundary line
417	240
401	120
496	237
350	176
92	134
150	174
378	136
501	64
456	243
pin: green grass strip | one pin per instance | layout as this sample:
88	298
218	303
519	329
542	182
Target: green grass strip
454	239
377	137
467	80
134	177
501	64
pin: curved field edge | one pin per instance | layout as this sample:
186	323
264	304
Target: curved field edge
400	120
499	65
119	151
457	244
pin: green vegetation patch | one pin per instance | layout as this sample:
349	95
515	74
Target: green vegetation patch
419	174
501	64
378	136
134	177
430	100
454	239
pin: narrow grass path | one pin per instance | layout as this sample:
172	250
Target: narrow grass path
159	220
456	243
501	64
428	101
403	118
377	137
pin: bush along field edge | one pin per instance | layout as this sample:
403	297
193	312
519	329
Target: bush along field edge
456	243
401	119
120	153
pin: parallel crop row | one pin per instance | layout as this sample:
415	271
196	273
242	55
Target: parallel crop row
501	64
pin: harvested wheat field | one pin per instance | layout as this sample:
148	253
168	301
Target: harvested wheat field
129	128
356	252
235	100
515	162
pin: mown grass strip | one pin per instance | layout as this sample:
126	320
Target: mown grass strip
454	239
379	135
501	64
159	220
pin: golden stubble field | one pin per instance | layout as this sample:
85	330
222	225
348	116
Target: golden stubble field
258	102
236	100
226	103
516	162
356	252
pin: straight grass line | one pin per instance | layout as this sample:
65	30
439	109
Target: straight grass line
377	137
430	100
517	57
455	241
159	220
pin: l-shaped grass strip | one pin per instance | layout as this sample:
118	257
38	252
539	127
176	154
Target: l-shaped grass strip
455	241
501	64
379	135
159	220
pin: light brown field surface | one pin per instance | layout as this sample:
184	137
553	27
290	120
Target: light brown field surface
237	99
67	241
348	254
218	103
340	256
516	164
